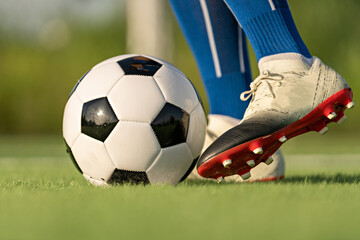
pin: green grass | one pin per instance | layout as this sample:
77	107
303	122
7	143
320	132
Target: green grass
42	196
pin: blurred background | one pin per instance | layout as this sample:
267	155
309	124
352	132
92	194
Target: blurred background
47	45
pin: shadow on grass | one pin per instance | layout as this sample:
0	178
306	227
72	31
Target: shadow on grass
309	179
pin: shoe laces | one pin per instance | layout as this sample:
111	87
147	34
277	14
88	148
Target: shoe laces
264	79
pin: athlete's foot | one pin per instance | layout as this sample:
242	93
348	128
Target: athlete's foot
218	124
289	98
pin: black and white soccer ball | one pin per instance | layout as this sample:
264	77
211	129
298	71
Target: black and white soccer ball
134	119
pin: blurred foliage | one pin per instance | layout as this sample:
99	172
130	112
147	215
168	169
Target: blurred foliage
36	80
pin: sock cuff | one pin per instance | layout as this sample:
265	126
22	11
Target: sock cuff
274	32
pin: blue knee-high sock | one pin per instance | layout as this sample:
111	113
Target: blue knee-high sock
269	26
219	47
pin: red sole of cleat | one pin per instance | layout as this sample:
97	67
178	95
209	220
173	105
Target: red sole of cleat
316	120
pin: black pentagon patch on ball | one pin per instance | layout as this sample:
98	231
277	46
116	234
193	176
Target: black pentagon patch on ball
68	150
171	125
139	65
125	176
98	119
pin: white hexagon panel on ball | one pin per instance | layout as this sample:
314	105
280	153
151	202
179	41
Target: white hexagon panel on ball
72	119
132	146
136	98
99	81
176	88
93	158
197	130
171	165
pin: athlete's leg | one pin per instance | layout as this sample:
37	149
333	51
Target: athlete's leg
219	47
295	93
269	26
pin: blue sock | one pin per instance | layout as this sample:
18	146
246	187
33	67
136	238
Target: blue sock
269	26
219	47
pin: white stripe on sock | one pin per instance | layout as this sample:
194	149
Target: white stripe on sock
241	52
210	33
272	5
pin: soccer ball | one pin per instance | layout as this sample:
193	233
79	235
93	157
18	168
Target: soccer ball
134	119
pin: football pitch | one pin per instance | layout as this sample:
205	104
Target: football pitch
42	196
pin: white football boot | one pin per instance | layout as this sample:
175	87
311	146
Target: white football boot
218	124
289	98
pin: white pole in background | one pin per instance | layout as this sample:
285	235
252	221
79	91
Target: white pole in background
149	28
